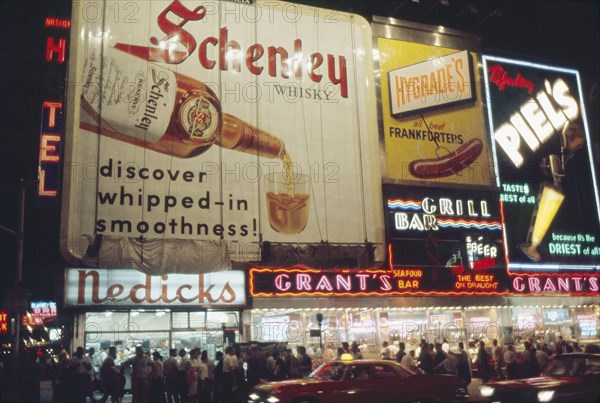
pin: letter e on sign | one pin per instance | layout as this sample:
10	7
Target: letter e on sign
50	145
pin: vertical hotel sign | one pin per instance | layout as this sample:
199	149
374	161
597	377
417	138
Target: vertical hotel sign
432	114
545	170
51	135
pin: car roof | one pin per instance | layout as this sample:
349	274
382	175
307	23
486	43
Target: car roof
582	355
368	361
361	361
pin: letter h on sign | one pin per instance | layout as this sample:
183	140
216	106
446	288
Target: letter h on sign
60	49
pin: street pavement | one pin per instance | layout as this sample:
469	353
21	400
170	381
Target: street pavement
46	392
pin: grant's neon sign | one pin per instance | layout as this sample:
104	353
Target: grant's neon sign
579	284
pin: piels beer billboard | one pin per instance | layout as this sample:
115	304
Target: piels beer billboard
199	128
545	172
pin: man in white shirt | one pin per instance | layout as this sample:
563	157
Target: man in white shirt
230	366
445	346
408	360
395	347
510	358
497	355
183	386
141	366
202	384
386	352
542	358
362	346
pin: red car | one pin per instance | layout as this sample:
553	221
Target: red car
573	377
361	381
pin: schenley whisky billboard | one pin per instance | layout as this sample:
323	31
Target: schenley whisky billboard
199	128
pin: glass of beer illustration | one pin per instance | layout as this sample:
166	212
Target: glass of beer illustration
287	201
549	202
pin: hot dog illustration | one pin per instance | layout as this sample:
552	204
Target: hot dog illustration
448	164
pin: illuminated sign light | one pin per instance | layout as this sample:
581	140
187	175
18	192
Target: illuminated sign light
455	241
3	322
427	220
40	313
100	287
415	281
431	84
517	193
56	48
54	22
500	77
565	284
544	165
588	325
537	120
50	150
481	255
486	225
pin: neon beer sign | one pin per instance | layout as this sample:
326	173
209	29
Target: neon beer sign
545	170
538	119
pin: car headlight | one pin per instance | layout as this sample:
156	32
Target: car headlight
255	397
486	391
545	395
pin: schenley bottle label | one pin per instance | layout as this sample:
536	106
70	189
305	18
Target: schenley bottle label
127	94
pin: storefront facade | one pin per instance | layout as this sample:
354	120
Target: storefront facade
125	308
420	178
281	313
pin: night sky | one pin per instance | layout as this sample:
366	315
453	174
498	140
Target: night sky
563	33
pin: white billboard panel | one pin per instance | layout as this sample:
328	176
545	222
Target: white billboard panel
198	129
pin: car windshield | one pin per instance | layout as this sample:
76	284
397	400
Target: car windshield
573	366
332	370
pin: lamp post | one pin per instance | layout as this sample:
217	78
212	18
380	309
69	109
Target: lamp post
320	320
18	296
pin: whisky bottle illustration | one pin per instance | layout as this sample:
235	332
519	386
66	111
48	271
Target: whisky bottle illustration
130	99
139	102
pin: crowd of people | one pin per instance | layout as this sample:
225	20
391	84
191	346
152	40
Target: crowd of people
192	376
496	363
183	377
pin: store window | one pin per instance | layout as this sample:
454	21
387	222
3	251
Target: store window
158	320
299	328
362	326
408	327
482	324
588	325
180	320
107	322
557	322
527	322
447	325
279	326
